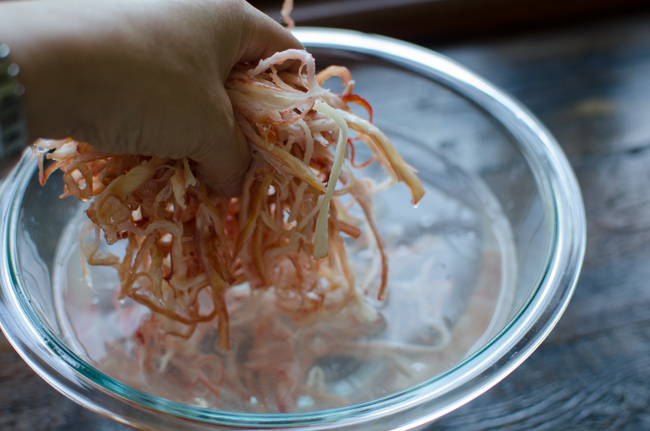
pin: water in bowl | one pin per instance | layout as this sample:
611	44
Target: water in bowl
451	277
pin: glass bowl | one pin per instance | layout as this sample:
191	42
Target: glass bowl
481	270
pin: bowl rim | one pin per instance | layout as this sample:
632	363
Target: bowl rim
420	404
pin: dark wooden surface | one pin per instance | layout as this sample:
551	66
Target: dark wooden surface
446	20
590	84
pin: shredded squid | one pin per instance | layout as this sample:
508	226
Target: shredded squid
285	232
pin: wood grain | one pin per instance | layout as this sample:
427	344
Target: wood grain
591	86
27	403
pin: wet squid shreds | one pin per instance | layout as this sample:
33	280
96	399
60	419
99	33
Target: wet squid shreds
286	231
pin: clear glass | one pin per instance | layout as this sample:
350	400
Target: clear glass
477	150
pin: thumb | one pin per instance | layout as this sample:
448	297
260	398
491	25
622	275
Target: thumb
224	166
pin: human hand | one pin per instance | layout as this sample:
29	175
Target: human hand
140	76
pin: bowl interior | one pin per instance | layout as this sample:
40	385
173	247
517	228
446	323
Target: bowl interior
479	250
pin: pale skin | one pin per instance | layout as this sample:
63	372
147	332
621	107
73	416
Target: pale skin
140	76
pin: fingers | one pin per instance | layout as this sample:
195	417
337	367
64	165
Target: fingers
222	167
266	37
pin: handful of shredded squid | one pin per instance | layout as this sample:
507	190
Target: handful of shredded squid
285	232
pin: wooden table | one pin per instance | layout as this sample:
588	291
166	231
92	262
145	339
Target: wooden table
591	86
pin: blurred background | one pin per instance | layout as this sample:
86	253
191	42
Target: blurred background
448	20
